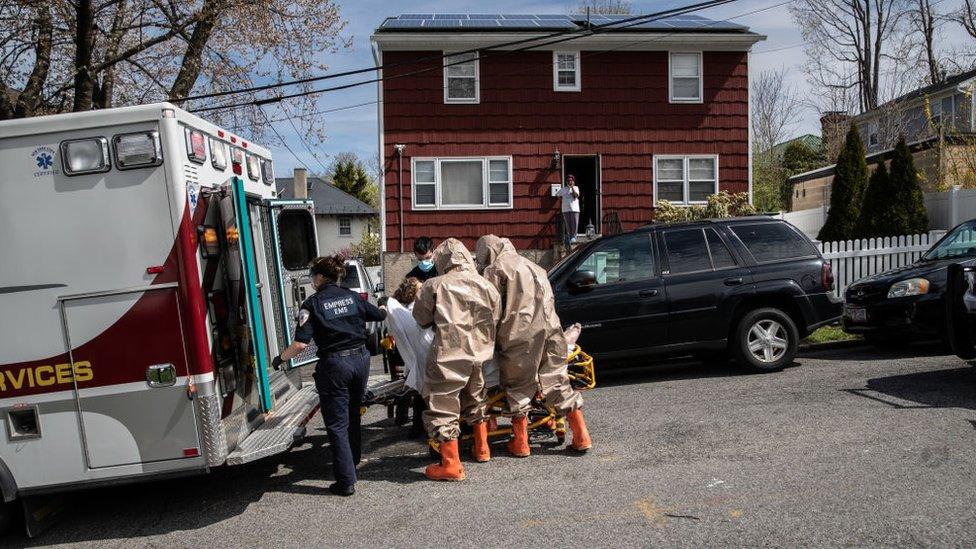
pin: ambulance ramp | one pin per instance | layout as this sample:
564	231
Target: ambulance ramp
280	429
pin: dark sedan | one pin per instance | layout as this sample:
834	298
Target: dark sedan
907	302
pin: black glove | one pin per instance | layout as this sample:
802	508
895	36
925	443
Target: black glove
383	300
276	362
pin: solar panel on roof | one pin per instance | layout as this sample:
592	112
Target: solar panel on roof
482	16
443	23
403	24
450	16
518	23
558	17
416	16
420	21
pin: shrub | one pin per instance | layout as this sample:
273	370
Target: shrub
847	192
910	203
723	204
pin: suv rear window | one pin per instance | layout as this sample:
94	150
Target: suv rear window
351	280
773	241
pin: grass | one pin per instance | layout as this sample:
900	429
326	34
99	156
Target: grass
829	333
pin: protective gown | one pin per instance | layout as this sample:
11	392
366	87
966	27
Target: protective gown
464	310
531	344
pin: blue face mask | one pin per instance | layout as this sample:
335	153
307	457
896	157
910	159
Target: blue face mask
425	265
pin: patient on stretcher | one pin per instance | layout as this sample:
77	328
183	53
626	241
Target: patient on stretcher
413	342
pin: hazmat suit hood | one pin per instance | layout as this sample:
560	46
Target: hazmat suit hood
452	255
489	247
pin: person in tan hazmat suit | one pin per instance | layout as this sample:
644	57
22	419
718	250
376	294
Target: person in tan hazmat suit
531	346
464	309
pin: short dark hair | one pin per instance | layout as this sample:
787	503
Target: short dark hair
423	245
332	267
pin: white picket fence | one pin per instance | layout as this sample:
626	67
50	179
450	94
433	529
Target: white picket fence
853	260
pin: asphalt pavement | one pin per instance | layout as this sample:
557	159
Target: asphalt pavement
851	447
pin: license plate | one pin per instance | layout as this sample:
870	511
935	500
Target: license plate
856	314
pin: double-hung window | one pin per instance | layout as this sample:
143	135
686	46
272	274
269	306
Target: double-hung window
686	77
566	71
345	225
462	183
685	179
461	78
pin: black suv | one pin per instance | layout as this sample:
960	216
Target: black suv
752	286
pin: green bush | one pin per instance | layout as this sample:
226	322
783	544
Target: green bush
910	203
847	193
881	215
723	204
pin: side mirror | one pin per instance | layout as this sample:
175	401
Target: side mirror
379	288
582	279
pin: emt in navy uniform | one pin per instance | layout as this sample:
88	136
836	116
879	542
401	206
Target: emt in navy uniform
336	319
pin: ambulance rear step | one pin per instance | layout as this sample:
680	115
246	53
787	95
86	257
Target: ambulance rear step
280	430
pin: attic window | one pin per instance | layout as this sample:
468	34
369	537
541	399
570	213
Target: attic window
566	71
686	77
461	78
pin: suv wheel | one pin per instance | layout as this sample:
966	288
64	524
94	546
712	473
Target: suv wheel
765	340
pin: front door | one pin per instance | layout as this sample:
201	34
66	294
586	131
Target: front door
586	170
702	276
626	310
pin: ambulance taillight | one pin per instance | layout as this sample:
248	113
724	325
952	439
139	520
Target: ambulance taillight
237	160
196	147
253	167
218	154
267	172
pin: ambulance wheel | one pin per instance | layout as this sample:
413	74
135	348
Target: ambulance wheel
7	514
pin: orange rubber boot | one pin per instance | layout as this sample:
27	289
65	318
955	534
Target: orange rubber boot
519	445
481	452
581	437
450	467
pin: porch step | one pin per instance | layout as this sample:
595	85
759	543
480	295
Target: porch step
280	430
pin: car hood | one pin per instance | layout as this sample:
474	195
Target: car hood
933	271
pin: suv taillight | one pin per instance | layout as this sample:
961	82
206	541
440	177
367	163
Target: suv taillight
827	276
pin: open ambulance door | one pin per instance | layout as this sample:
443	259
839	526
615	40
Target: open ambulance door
295	244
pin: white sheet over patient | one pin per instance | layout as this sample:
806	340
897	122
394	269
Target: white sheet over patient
412	341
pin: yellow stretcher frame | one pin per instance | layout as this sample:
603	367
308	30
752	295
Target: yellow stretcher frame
582	375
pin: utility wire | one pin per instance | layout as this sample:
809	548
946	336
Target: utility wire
589	28
276	99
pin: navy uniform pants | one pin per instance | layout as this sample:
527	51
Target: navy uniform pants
341	383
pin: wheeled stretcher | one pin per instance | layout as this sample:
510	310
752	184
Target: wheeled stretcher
544	422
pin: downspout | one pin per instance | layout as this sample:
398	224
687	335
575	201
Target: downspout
398	149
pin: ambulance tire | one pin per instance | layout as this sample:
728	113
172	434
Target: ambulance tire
8	512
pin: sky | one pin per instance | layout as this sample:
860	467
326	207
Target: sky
355	129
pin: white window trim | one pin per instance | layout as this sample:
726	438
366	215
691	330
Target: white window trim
486	188
477	81
701	78
555	72
339	225
685	174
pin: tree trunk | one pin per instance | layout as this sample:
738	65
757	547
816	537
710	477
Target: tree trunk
193	56
84	43
112	50
30	98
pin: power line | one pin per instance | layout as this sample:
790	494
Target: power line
645	18
592	29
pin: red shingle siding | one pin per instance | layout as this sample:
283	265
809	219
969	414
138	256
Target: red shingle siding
622	114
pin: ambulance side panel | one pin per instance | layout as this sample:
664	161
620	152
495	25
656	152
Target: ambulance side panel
86	315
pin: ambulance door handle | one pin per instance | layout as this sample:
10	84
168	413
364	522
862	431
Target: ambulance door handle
161	375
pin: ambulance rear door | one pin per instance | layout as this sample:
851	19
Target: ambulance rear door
295	244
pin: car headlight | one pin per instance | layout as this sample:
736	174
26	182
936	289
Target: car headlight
912	286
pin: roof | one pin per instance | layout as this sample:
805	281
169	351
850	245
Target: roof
811	141
948	83
430	22
328	199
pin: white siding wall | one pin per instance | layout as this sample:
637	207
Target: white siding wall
328	231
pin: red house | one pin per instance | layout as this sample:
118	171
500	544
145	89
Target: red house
475	136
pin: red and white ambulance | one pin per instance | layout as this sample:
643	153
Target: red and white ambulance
148	275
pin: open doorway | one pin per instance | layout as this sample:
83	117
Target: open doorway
586	170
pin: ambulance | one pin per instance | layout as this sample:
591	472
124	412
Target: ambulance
148	275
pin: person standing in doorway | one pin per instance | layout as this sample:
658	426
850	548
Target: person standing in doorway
570	196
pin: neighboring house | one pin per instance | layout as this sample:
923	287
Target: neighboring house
340	218
474	144
812	142
938	124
